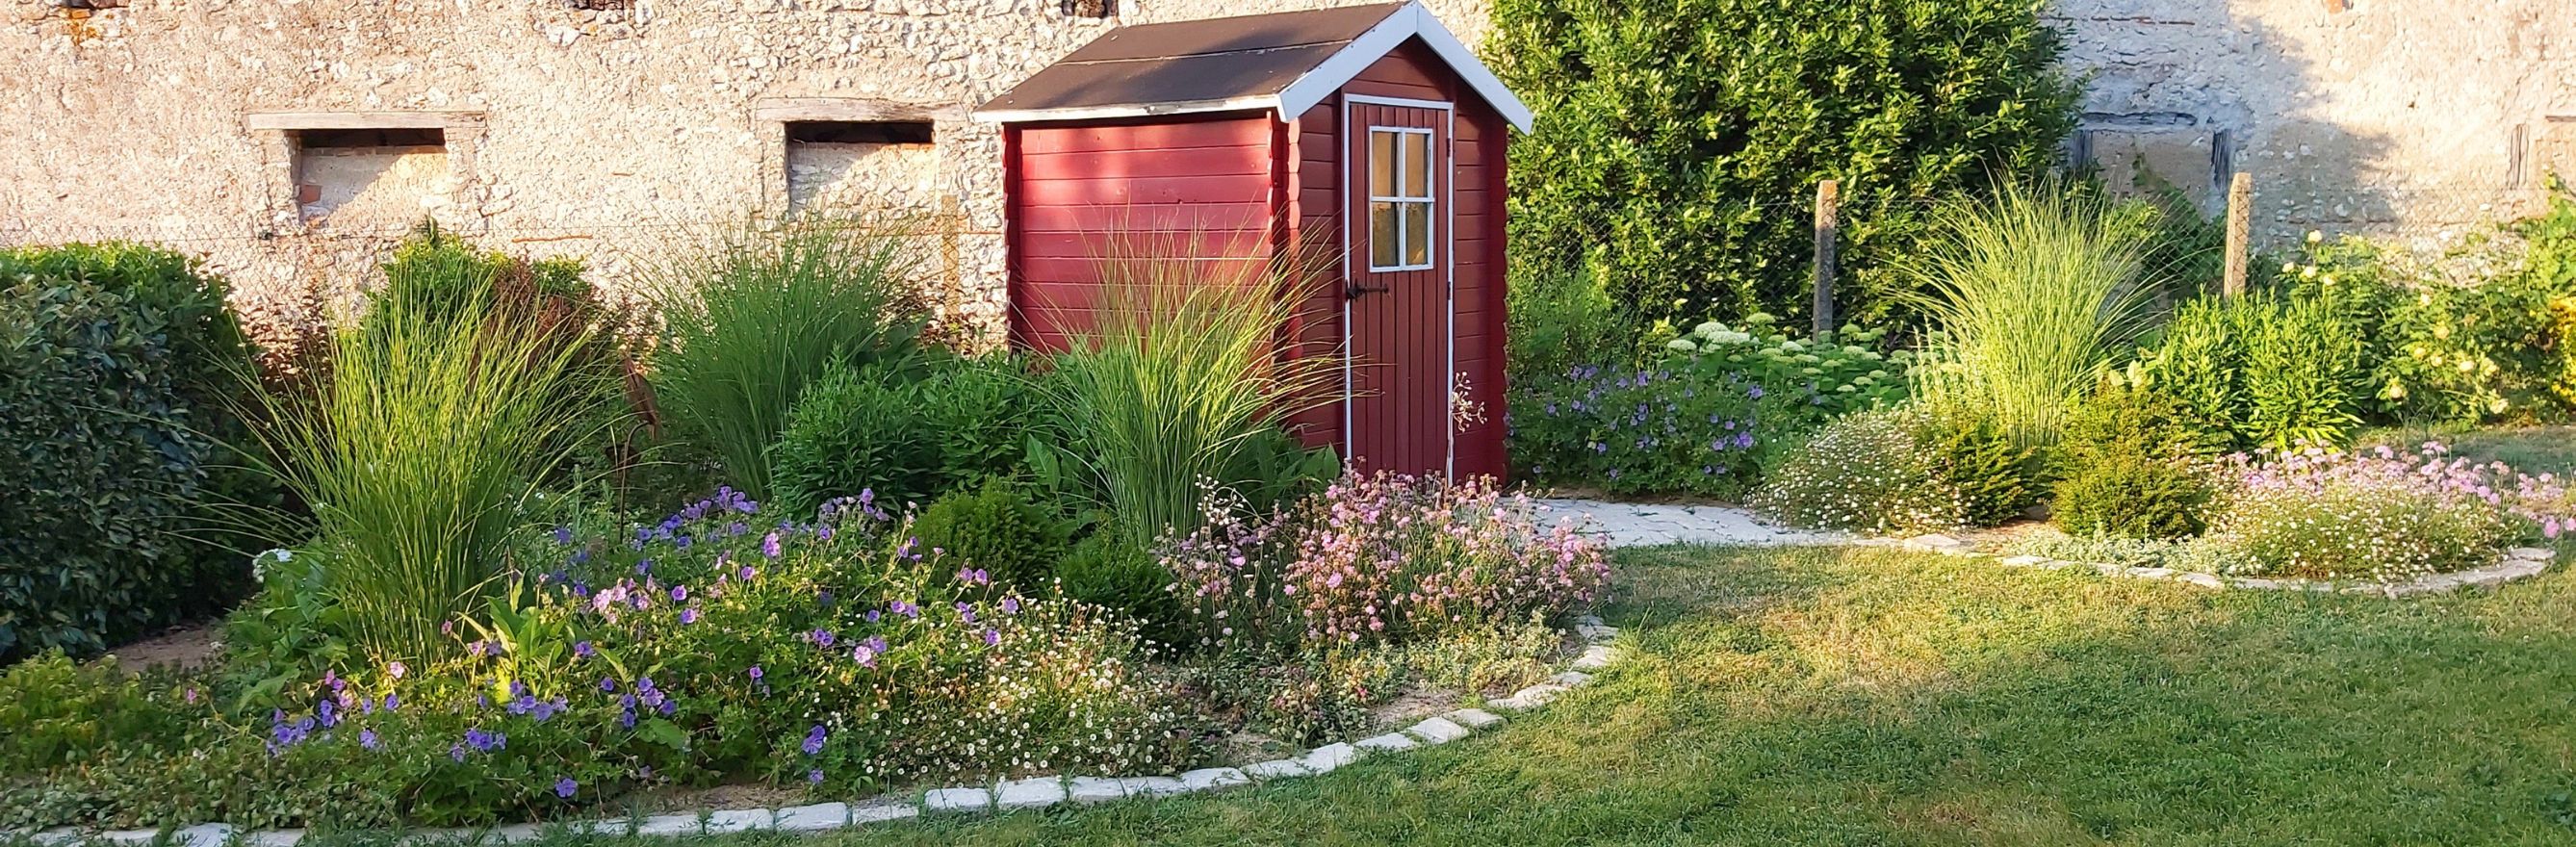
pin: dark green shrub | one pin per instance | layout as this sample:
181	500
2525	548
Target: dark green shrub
119	368
1996	479
2131	466
995	529
1107	571
1678	144
1559	321
908	433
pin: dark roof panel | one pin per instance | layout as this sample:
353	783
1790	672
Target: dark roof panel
1201	61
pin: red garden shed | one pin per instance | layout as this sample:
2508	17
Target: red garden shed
1369	132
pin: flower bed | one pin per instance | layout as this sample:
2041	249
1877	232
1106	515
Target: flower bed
721	644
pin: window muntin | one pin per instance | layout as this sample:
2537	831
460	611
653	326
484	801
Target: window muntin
1400	199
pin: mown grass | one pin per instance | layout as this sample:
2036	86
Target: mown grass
1828	696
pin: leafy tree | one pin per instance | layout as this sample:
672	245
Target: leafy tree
1678	144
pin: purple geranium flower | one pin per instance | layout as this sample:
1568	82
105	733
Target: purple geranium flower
565	787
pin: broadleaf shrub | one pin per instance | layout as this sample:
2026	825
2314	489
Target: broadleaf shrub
1677	144
908	431
120	373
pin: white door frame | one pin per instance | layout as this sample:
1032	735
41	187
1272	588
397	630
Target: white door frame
1444	241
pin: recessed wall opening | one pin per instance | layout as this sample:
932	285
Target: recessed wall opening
858	132
877	164
369	176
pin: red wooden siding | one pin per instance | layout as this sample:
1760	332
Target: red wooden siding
1249	188
1201	187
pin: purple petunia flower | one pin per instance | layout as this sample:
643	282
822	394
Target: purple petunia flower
565	787
755	672
679	593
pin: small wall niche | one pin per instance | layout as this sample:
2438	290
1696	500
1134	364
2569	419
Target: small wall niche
370	176
860	132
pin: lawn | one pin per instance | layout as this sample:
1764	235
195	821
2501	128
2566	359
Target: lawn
1832	696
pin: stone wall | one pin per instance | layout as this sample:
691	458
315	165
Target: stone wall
2415	117
613	129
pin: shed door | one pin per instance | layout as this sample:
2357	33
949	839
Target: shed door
1400	323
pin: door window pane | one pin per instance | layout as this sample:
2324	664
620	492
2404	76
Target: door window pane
1417	164
1385	243
1417	233
1382	163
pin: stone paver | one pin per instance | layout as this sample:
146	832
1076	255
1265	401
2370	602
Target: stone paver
739	820
1032	793
1211	779
1152	786
1595	657
1093	789
1328	757
1646	524
1438	730
1475	718
882	811
1387	743
203	835
668	825
1274	769
957	800
814	818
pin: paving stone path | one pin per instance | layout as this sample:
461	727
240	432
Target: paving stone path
1647	524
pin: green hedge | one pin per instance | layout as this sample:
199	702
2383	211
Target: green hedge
115	363
1678	144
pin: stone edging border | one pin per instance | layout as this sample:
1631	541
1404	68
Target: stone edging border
2517	563
1031	793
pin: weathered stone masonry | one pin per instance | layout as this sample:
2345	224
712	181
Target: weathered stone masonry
291	141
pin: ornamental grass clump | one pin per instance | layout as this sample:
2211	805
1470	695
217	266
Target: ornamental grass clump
752	318
2033	294
430	434
1179	370
2381	514
1382	559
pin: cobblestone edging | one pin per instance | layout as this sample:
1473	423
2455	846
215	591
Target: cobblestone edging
1032	793
2516	563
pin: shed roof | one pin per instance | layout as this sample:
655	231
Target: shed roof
1288	61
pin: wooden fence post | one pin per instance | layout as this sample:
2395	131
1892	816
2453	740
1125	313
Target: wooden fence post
1828	202
2240	232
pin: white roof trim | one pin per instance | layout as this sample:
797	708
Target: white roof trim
1319	82
1409	22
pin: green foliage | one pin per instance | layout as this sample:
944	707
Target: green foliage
755	316
437	273
1716	408
2034	294
907	431
432	429
1171	381
1997	480
59	713
2132	465
1560	321
2265	370
995	529
1677	144
120	368
1106	570
1868	471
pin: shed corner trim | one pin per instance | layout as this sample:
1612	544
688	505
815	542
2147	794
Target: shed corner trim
1412	21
